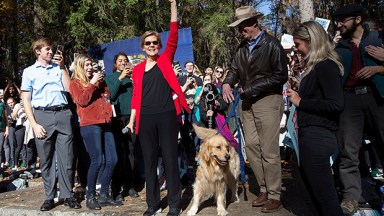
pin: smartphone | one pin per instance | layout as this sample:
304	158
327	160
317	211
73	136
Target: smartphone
1	91
59	48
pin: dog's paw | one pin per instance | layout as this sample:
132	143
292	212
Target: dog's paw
235	199
192	212
222	212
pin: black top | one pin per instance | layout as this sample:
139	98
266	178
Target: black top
322	97
157	94
183	79
11	122
204	107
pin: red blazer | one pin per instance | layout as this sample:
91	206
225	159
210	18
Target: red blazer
91	104
164	62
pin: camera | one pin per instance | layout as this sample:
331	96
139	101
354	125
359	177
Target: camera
192	81
210	92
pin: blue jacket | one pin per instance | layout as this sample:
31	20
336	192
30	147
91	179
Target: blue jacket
370	37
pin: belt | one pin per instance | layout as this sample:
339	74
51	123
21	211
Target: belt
57	108
359	89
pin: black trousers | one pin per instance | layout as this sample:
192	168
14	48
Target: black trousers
130	168
82	157
316	145
159	132
20	147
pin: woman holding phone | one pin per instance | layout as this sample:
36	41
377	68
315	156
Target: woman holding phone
319	102
91	95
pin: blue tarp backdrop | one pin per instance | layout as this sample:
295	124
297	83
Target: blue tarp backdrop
106	52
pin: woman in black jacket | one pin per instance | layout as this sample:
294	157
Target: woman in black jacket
319	103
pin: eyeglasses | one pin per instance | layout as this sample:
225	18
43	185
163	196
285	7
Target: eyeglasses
343	21
148	43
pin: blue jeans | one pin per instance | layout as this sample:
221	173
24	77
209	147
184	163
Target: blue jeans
100	145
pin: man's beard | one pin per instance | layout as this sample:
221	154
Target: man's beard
349	31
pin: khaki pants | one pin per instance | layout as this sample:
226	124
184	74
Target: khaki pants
261	131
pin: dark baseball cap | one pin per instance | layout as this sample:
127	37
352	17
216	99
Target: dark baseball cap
349	10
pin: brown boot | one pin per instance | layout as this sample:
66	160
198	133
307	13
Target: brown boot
271	205
260	200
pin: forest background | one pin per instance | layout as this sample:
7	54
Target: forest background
80	24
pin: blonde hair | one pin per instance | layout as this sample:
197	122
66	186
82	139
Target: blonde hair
39	43
320	47
78	69
150	33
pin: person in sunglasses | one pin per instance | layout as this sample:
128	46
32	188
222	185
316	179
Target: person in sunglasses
259	67
218	77
157	99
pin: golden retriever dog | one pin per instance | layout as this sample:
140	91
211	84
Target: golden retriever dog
219	168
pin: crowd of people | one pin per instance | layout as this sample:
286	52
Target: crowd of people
111	129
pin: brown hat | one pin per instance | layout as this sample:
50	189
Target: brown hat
244	13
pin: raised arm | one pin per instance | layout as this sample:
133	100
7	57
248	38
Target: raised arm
173	10
18	89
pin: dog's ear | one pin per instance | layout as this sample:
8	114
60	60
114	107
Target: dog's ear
204	151
204	133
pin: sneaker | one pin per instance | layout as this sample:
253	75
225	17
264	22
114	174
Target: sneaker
72	203
349	207
152	211
377	174
133	193
174	212
12	165
23	164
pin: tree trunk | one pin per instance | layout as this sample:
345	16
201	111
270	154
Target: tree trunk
306	10
38	24
14	48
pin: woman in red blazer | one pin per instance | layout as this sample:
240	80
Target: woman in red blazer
156	101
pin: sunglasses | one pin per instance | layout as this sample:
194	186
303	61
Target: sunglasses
218	71
343	21
246	23
148	43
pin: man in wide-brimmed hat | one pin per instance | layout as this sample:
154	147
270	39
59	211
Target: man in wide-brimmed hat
363	82
260	69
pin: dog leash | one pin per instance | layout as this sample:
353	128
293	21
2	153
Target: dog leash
233	114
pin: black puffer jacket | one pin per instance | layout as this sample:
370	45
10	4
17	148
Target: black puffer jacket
261	72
